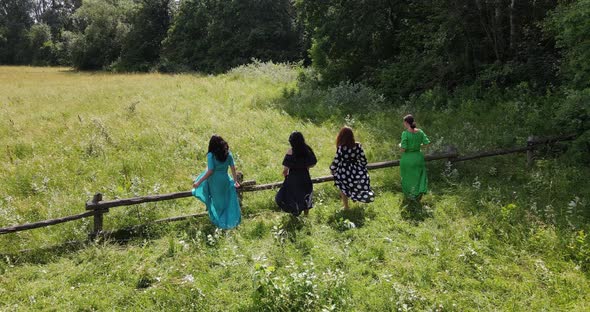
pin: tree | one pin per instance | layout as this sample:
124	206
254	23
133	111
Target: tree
149	25
14	24
351	39
40	45
215	35
58	14
408	46
570	24
104	26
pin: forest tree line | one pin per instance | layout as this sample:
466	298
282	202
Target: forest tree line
400	47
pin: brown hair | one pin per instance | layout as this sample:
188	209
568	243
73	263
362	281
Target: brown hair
410	120
218	147
345	137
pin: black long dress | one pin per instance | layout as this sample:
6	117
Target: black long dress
295	195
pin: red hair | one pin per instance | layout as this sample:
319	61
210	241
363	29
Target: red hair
345	137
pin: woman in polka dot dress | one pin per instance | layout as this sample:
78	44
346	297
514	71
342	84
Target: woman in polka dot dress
349	169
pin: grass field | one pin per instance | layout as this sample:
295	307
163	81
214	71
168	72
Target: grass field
492	235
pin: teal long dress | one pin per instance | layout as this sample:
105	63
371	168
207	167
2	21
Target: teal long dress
412	165
219	193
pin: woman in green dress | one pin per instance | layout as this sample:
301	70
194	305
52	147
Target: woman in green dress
412	166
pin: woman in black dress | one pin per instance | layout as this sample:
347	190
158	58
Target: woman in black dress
295	195
349	169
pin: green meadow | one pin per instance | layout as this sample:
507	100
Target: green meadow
492	235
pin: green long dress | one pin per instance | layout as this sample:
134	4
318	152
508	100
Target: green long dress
412	166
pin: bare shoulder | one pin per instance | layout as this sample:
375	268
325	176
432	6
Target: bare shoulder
290	151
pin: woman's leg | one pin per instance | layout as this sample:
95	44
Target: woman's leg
344	200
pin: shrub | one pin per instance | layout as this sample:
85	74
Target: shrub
302	290
579	248
344	100
573	116
275	72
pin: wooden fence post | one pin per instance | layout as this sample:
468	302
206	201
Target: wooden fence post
529	153
452	149
98	218
240	176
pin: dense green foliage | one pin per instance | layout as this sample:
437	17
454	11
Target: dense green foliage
216	35
32	32
127	35
142	45
14	24
491	235
40	44
409	46
104	26
571	26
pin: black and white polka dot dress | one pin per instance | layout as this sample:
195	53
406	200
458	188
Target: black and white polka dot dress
350	173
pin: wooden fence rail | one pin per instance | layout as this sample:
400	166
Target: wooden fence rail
97	207
30	226
371	166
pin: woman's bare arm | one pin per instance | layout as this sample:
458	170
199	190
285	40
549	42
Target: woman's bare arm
234	174
203	178
286	169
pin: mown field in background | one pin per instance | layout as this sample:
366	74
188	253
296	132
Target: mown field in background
491	235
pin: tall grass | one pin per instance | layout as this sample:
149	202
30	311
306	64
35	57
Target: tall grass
491	235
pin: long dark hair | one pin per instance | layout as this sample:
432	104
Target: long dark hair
218	147
345	137
297	141
410	120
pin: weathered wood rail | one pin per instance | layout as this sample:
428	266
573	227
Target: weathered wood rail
97	207
34	225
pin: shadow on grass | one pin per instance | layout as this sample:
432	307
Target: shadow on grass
48	254
414	210
193	225
124	236
351	218
291	226
43	255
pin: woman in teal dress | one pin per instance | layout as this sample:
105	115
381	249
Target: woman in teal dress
412	165
216	188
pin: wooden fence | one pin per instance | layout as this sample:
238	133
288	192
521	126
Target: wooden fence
97	207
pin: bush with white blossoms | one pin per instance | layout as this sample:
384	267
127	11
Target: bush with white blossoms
303	289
